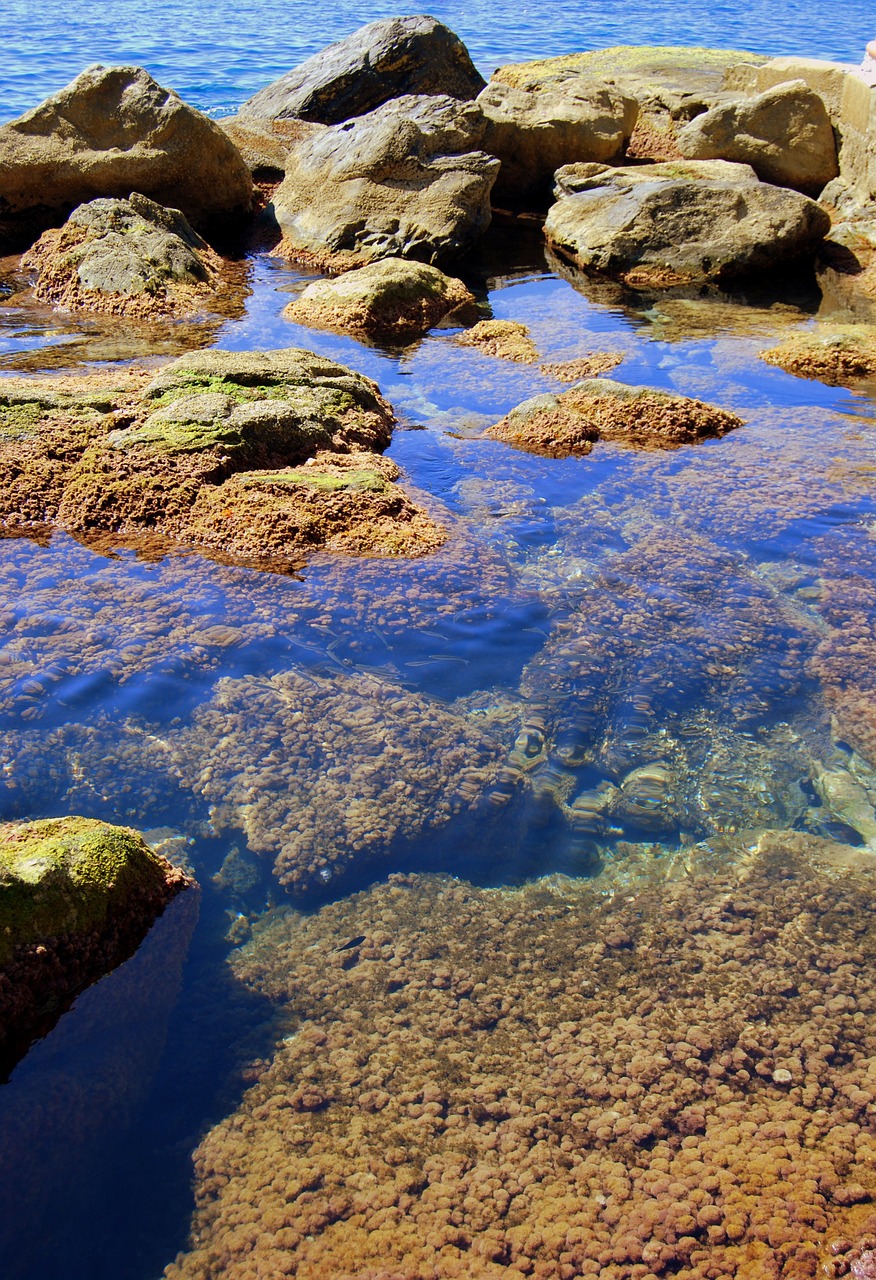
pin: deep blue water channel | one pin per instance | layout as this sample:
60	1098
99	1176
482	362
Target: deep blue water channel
106	658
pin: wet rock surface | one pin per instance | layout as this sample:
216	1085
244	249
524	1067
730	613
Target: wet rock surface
77	896
596	409
785	134
405	180
392	298
112	131
383	60
556	1081
127	257
836	354
260	455
659	224
504	339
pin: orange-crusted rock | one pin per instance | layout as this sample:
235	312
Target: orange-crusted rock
835	354
505	339
572	422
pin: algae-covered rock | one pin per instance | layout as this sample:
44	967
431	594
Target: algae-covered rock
76	897
785	134
505	339
406	180
382	60
836	354
671	225
112	131
182	460
127	257
392	298
572	422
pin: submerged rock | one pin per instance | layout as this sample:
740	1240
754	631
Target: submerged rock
392	298
533	132
126	257
540	1079
406	180
383	60
209	454
76	898
785	134
674	224
506	339
835	354
112	131
570	423
324	773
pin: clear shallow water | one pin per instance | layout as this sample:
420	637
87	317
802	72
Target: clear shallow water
698	579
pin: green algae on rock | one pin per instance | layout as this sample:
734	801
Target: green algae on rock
569	424
129	257
76	897
393	298
639	1076
180	459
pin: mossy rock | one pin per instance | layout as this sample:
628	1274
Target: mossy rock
62	877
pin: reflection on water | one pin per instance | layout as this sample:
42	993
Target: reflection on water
634	1037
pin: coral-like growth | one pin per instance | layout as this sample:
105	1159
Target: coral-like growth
505	339
553	1083
583	366
836	354
598	409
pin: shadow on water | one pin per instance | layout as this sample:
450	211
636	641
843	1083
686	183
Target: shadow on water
98	1122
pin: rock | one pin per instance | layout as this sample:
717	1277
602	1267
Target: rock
112	131
406	180
835	354
128	257
785	134
383	60
534	132
582	366
265	144
506	339
257	456
569	424
574	178
665	224
76	898
393	297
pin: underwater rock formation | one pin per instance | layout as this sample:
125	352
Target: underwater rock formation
569	424
506	339
556	1081
112	131
259	455
323	772
582	367
392	298
76	898
127	257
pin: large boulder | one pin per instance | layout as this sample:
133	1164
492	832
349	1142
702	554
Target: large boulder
534	132
669	224
383	60
406	180
258	456
392	298
785	134
76	898
112	131
128	257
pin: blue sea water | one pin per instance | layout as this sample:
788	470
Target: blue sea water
217	54
115	648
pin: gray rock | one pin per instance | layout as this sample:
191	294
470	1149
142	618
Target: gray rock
785	134
383	60
534	132
403	181
661	225
111	131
